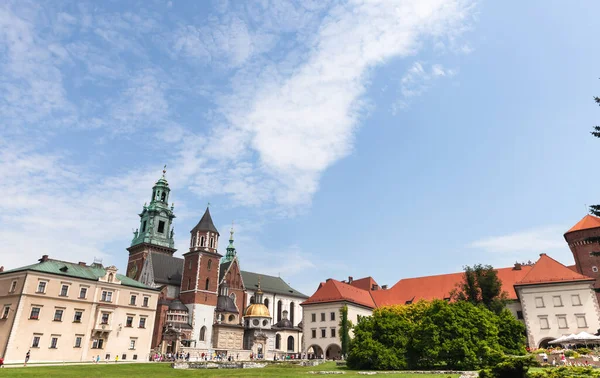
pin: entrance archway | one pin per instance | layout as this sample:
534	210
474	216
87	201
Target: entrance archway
544	342
333	352
314	351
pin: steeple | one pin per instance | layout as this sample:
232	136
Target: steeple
230	255
156	218
204	236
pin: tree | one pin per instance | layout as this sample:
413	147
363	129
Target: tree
481	285
429	335
511	333
345	327
595	209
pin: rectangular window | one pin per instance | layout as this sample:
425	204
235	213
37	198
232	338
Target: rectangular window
77	317
82	293
145	303
581	322
142	322
332	315
131	344
97	343
539	302
323	332
161	227
36	342
35	313
124	356
144	226
544	323
519	315
41	287
77	342
13	287
322	316
135	356
333	332
557	301
575	300
5	312
58	315
64	290
105	316
53	343
314	333
129	322
313	317
106	296
562	321
132	300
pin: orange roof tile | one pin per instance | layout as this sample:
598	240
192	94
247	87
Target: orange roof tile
589	221
334	290
364	283
548	270
440	286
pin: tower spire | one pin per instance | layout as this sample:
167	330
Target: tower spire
231	253
164	171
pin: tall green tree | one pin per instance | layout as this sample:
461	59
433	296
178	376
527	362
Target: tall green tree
595	209
345	327
481	284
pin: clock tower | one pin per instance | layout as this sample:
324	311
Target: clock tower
155	233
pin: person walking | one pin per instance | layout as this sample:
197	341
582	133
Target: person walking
27	357
116	358
97	358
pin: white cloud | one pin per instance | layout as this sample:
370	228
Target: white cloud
532	241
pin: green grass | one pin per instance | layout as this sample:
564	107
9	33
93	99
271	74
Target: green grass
151	370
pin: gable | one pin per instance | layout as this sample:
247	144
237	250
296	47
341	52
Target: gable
230	272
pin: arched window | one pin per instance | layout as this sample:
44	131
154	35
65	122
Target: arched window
202	241
193	241
279	309
212	242
153	194
202	333
207	282
290	344
189	283
232	296
163	196
209	264
110	277
267	303
278	341
292	308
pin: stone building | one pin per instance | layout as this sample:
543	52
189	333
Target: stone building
62	311
207	289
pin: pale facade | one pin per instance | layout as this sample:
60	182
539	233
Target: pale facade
278	303
322	325
553	310
60	317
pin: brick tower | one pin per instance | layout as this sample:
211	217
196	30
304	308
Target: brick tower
584	242
155	233
200	279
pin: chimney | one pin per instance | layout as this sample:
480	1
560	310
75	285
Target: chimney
350	279
44	258
1	268
81	263
517	266
374	287
542	254
384	287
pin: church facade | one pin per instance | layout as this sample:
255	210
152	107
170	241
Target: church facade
207	304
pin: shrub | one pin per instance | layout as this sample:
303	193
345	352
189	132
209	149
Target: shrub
566	372
510	367
572	353
584	351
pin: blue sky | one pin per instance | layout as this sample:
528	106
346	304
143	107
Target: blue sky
383	138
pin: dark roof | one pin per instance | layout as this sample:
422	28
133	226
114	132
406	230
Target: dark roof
223	269
285	324
225	304
167	269
68	269
206	223
177	305
269	284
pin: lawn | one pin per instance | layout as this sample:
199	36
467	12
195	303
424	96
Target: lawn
163	369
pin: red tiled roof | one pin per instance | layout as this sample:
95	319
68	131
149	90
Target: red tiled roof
589	221
364	283
334	290
440	286
573	268
548	270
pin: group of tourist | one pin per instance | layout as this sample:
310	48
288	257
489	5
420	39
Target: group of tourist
181	356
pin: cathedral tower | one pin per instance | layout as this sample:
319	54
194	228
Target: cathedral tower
584	242
155	233
200	278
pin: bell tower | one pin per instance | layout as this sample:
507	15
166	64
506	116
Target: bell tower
200	278
155	233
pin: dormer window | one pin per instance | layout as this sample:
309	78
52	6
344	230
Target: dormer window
111	277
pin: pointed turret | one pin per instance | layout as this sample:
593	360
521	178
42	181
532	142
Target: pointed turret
230	255
205	236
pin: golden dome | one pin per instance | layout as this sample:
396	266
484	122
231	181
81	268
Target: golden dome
257	310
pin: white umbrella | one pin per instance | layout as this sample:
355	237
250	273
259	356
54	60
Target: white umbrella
586	337
559	340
